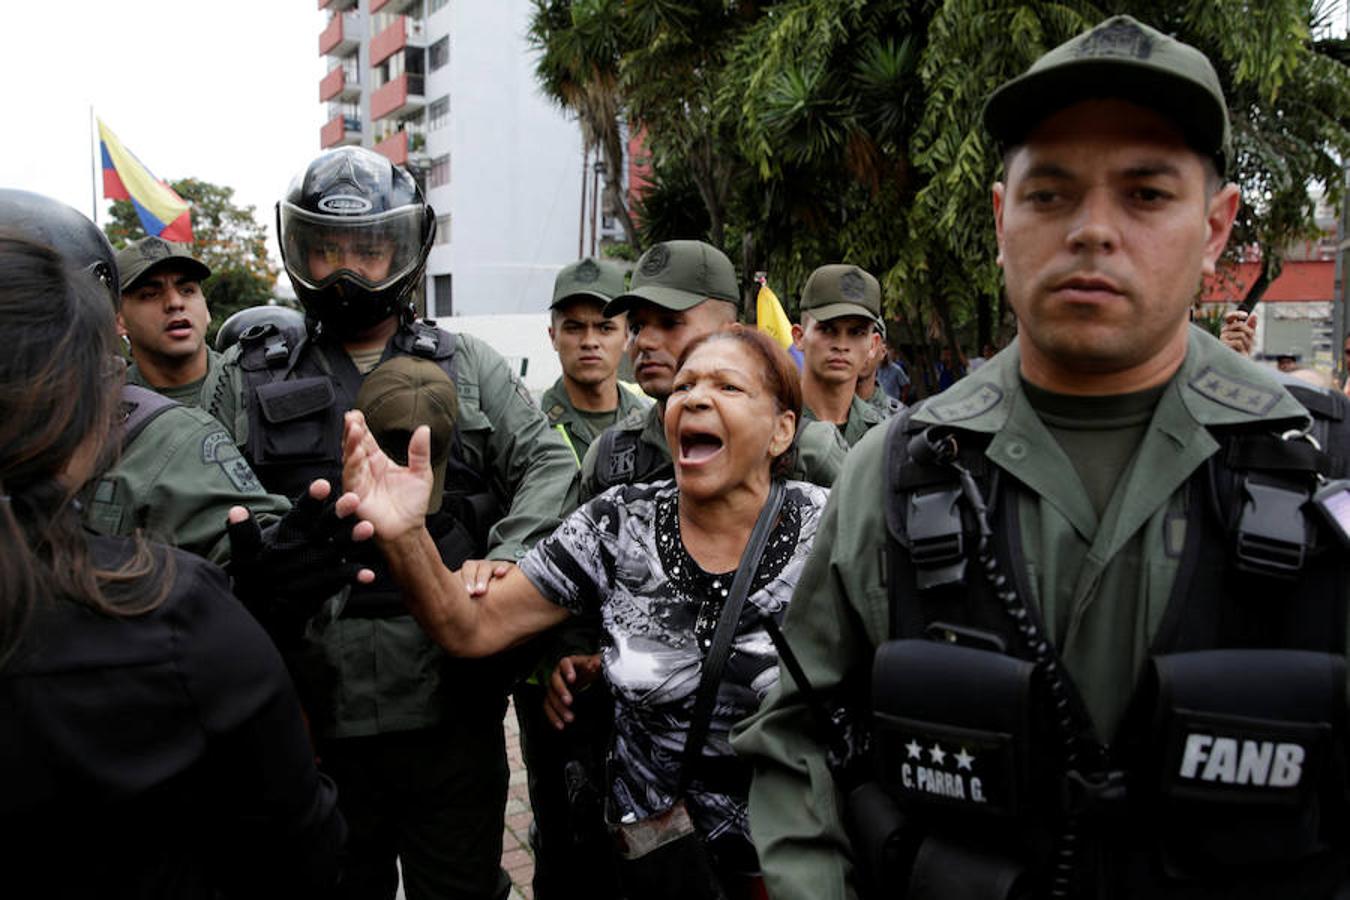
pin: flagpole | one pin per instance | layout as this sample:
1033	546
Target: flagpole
94	167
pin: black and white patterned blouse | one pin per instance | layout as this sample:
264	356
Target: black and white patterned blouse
622	553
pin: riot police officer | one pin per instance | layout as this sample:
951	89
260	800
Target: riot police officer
414	739
1095	628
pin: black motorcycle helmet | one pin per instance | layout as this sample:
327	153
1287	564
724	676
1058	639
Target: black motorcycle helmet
354	232
285	318
65	230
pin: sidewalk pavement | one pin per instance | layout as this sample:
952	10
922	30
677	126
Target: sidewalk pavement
517	859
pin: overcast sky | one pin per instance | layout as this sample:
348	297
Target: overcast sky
223	91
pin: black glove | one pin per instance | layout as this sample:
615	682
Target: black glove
284	574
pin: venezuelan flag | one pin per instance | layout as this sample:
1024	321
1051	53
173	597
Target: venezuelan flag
773	321
162	212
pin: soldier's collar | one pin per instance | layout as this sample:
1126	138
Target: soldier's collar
1221	387
978	402
1217	387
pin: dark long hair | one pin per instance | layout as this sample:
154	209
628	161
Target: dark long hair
779	374
58	398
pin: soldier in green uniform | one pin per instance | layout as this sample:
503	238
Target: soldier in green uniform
1116	512
839	305
163	316
681	290
178	474
573	856
588	397
869	388
413	739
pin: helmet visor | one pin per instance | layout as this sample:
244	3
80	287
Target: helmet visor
375	250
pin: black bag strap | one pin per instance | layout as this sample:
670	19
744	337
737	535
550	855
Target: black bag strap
720	649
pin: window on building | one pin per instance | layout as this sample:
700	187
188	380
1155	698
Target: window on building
443	229
437	5
438	114
444	302
440	171
439	54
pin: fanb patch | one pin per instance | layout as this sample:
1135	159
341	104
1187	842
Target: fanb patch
218	448
1117	38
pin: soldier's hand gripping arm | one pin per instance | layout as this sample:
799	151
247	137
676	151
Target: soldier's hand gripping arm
283	573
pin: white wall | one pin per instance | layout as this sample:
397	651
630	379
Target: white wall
515	165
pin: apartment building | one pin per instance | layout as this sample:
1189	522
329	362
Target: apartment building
447	89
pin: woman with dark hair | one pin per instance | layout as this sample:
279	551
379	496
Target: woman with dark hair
678	572
150	741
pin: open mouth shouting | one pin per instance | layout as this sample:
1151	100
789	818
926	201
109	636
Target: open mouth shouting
698	447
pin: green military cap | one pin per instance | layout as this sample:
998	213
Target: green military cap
402	393
680	275
1120	58
597	279
139	258
841	290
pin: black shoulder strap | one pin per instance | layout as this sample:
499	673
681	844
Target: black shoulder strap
620	459
720	649
140	406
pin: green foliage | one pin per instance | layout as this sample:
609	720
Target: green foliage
799	132
226	237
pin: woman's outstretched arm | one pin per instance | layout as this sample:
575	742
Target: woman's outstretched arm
393	500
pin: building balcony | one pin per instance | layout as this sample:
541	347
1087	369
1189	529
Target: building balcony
400	33
401	97
337	5
395	147
340	131
388	42
341	36
390	6
336	86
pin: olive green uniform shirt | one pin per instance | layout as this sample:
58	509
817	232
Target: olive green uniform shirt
1102	581
187	394
862	417
884	403
176	481
578	429
820	449
371	676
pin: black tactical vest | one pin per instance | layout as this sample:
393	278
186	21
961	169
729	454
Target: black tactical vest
295	410
1229	775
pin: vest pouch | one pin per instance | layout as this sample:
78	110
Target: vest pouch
1244	762
295	421
953	733
944	870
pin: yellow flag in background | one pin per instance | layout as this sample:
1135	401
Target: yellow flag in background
770	317
771	320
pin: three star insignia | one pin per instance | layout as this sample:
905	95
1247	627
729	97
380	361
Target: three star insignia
1233	392
983	400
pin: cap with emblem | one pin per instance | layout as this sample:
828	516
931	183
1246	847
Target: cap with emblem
138	259
680	275
1120	58
596	279
402	393
841	290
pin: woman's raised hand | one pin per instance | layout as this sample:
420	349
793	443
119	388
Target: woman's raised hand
390	497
